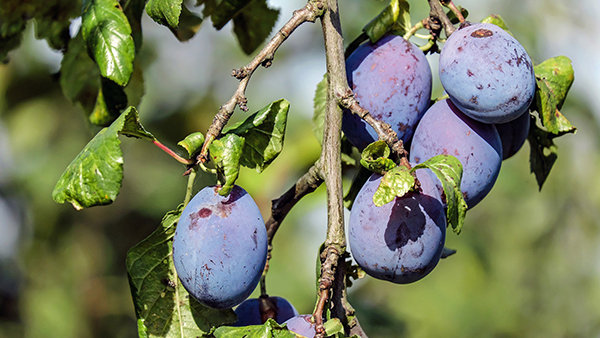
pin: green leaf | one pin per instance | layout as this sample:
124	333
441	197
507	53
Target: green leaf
498	21
13	20
165	12
270	329
107	34
162	305
543	153
319	102
226	153
395	183
226	10
94	176
554	78
79	75
253	25
192	143
448	170
453	18
53	19
110	101
375	157
264	133
189	23
334	326
388	19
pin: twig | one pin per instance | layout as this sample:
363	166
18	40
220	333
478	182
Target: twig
454	9
438	19
280	207
309	13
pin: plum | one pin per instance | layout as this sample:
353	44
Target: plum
487	73
391	79
401	241
444	129
220	247
278	308
513	134
302	325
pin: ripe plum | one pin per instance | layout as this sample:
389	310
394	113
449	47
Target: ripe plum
487	73
392	79
401	241
513	134
302	325
220	247
248	311
444	129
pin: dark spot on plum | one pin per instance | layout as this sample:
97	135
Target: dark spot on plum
482	33
255	239
473	100
459	49
469	73
204	212
479	86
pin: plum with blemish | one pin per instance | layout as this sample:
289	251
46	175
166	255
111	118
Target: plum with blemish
513	134
392	80
444	129
487	73
401	241
220	247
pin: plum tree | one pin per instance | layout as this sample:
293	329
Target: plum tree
278	308
302	325
513	134
444	129
401	241
487	73
220	247
392	79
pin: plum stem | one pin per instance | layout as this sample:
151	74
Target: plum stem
308	13
172	153
190	187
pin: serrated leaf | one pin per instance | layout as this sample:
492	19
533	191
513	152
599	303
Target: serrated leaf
319	102
448	170
554	78
162	305
388	19
270	329
165	12
543	153
264	133
226	153
107	35
189	23
498	21
110	101
226	10
375	157
253	25
94	176
395	183
192	143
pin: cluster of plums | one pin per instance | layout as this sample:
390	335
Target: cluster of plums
489	79
220	245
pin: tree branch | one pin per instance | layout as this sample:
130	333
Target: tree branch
331	168
438	17
309	13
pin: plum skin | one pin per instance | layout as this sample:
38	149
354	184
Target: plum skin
220	247
513	134
401	241
487	73
302	325
444	129
392	80
248	311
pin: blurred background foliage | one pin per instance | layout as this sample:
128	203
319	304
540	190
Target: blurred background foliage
528	262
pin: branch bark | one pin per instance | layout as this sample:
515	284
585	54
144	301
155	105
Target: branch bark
309	13
437	16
